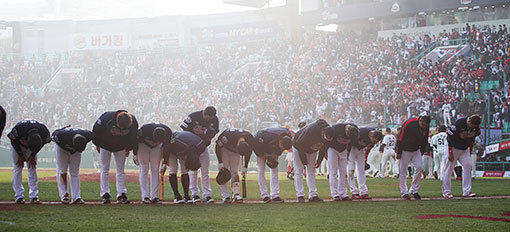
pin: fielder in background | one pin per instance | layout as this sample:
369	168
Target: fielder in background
269	145
475	152
368	137
336	149
427	159
115	132
438	142
461	137
306	143
69	144
230	146
184	149
388	153
151	138
204	124
27	139
411	142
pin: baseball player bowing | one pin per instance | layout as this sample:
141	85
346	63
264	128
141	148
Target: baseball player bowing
368	137
411	142
115	132
336	149
306	143
184	149
230	146
151	136
269	145
461	136
27	139
205	124
69	144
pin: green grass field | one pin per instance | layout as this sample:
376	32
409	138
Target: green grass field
331	216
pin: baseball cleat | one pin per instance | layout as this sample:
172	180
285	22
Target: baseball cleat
188	200
266	199
406	197
122	199
209	200
179	200
416	196
238	199
227	200
65	201
277	200
366	196
355	196
156	200
195	199
301	199
20	200
78	201
315	199
337	198
471	194
106	198
448	196
35	200
146	200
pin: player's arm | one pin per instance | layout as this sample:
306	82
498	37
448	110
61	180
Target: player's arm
3	118
99	131
217	148
187	124
132	139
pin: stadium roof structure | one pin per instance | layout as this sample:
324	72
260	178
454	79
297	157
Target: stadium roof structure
248	3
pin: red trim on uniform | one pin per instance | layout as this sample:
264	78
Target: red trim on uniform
405	126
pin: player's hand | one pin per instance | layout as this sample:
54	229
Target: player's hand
21	162
317	164
243	172
399	156
98	149
31	162
450	154
135	160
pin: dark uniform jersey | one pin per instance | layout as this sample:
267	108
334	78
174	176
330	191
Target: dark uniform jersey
64	137
3	118
266	141
196	124
309	139
108	136
412	137
145	133
25	128
459	128
339	132
364	140
228	139
183	143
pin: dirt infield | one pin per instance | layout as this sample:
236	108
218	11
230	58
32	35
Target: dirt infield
434	216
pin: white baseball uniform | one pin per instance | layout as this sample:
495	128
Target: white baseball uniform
149	159
356	162
389	155
438	142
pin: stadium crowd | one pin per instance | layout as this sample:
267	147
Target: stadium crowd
335	76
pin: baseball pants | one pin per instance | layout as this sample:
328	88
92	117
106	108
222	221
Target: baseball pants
407	157
464	158
274	181
388	157
204	177
149	159
120	163
231	161
17	181
438	162
356	162
428	160
299	169
65	161
337	166
374	160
